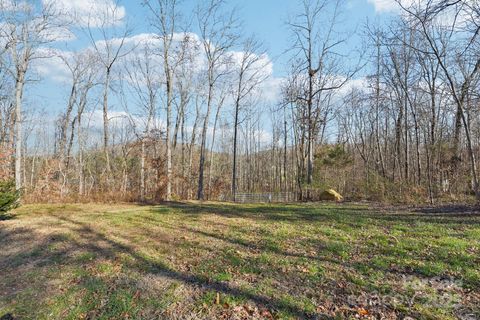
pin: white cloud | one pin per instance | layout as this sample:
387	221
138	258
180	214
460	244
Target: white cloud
261	69
12	5
260	63
383	5
6	4
445	18
116	119
138	42
90	12
361	84
272	89
58	34
52	66
135	40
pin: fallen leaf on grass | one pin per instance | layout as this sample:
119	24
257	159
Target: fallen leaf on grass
362	311
321	309
266	314
303	269
136	295
248	308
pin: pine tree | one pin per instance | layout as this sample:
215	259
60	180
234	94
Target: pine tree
9	196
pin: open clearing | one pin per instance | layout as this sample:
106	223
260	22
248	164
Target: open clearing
225	261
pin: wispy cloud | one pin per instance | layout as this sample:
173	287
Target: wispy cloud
94	13
384	5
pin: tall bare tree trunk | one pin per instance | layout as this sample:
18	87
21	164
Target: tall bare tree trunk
201	168
235	142
18	130
169	142
80	172
105	122
142	171
217	114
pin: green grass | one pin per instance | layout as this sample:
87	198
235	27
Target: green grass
214	260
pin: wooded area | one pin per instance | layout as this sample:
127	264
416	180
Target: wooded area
184	114
169	159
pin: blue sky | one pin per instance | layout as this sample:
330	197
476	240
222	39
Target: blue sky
267	20
264	18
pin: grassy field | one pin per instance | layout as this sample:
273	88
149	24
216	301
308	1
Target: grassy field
223	261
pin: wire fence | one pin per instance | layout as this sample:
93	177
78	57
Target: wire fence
269	197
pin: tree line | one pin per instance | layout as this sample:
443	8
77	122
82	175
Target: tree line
174	114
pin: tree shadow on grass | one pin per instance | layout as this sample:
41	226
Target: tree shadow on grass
450	210
158	268
101	246
337	213
92	241
6	216
430	216
324	252
342	217
253	246
15	235
262	212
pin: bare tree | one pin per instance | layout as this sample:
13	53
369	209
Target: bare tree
458	38
142	72
110	49
250	73
80	66
186	84
166	21
218	36
316	42
26	29
87	82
